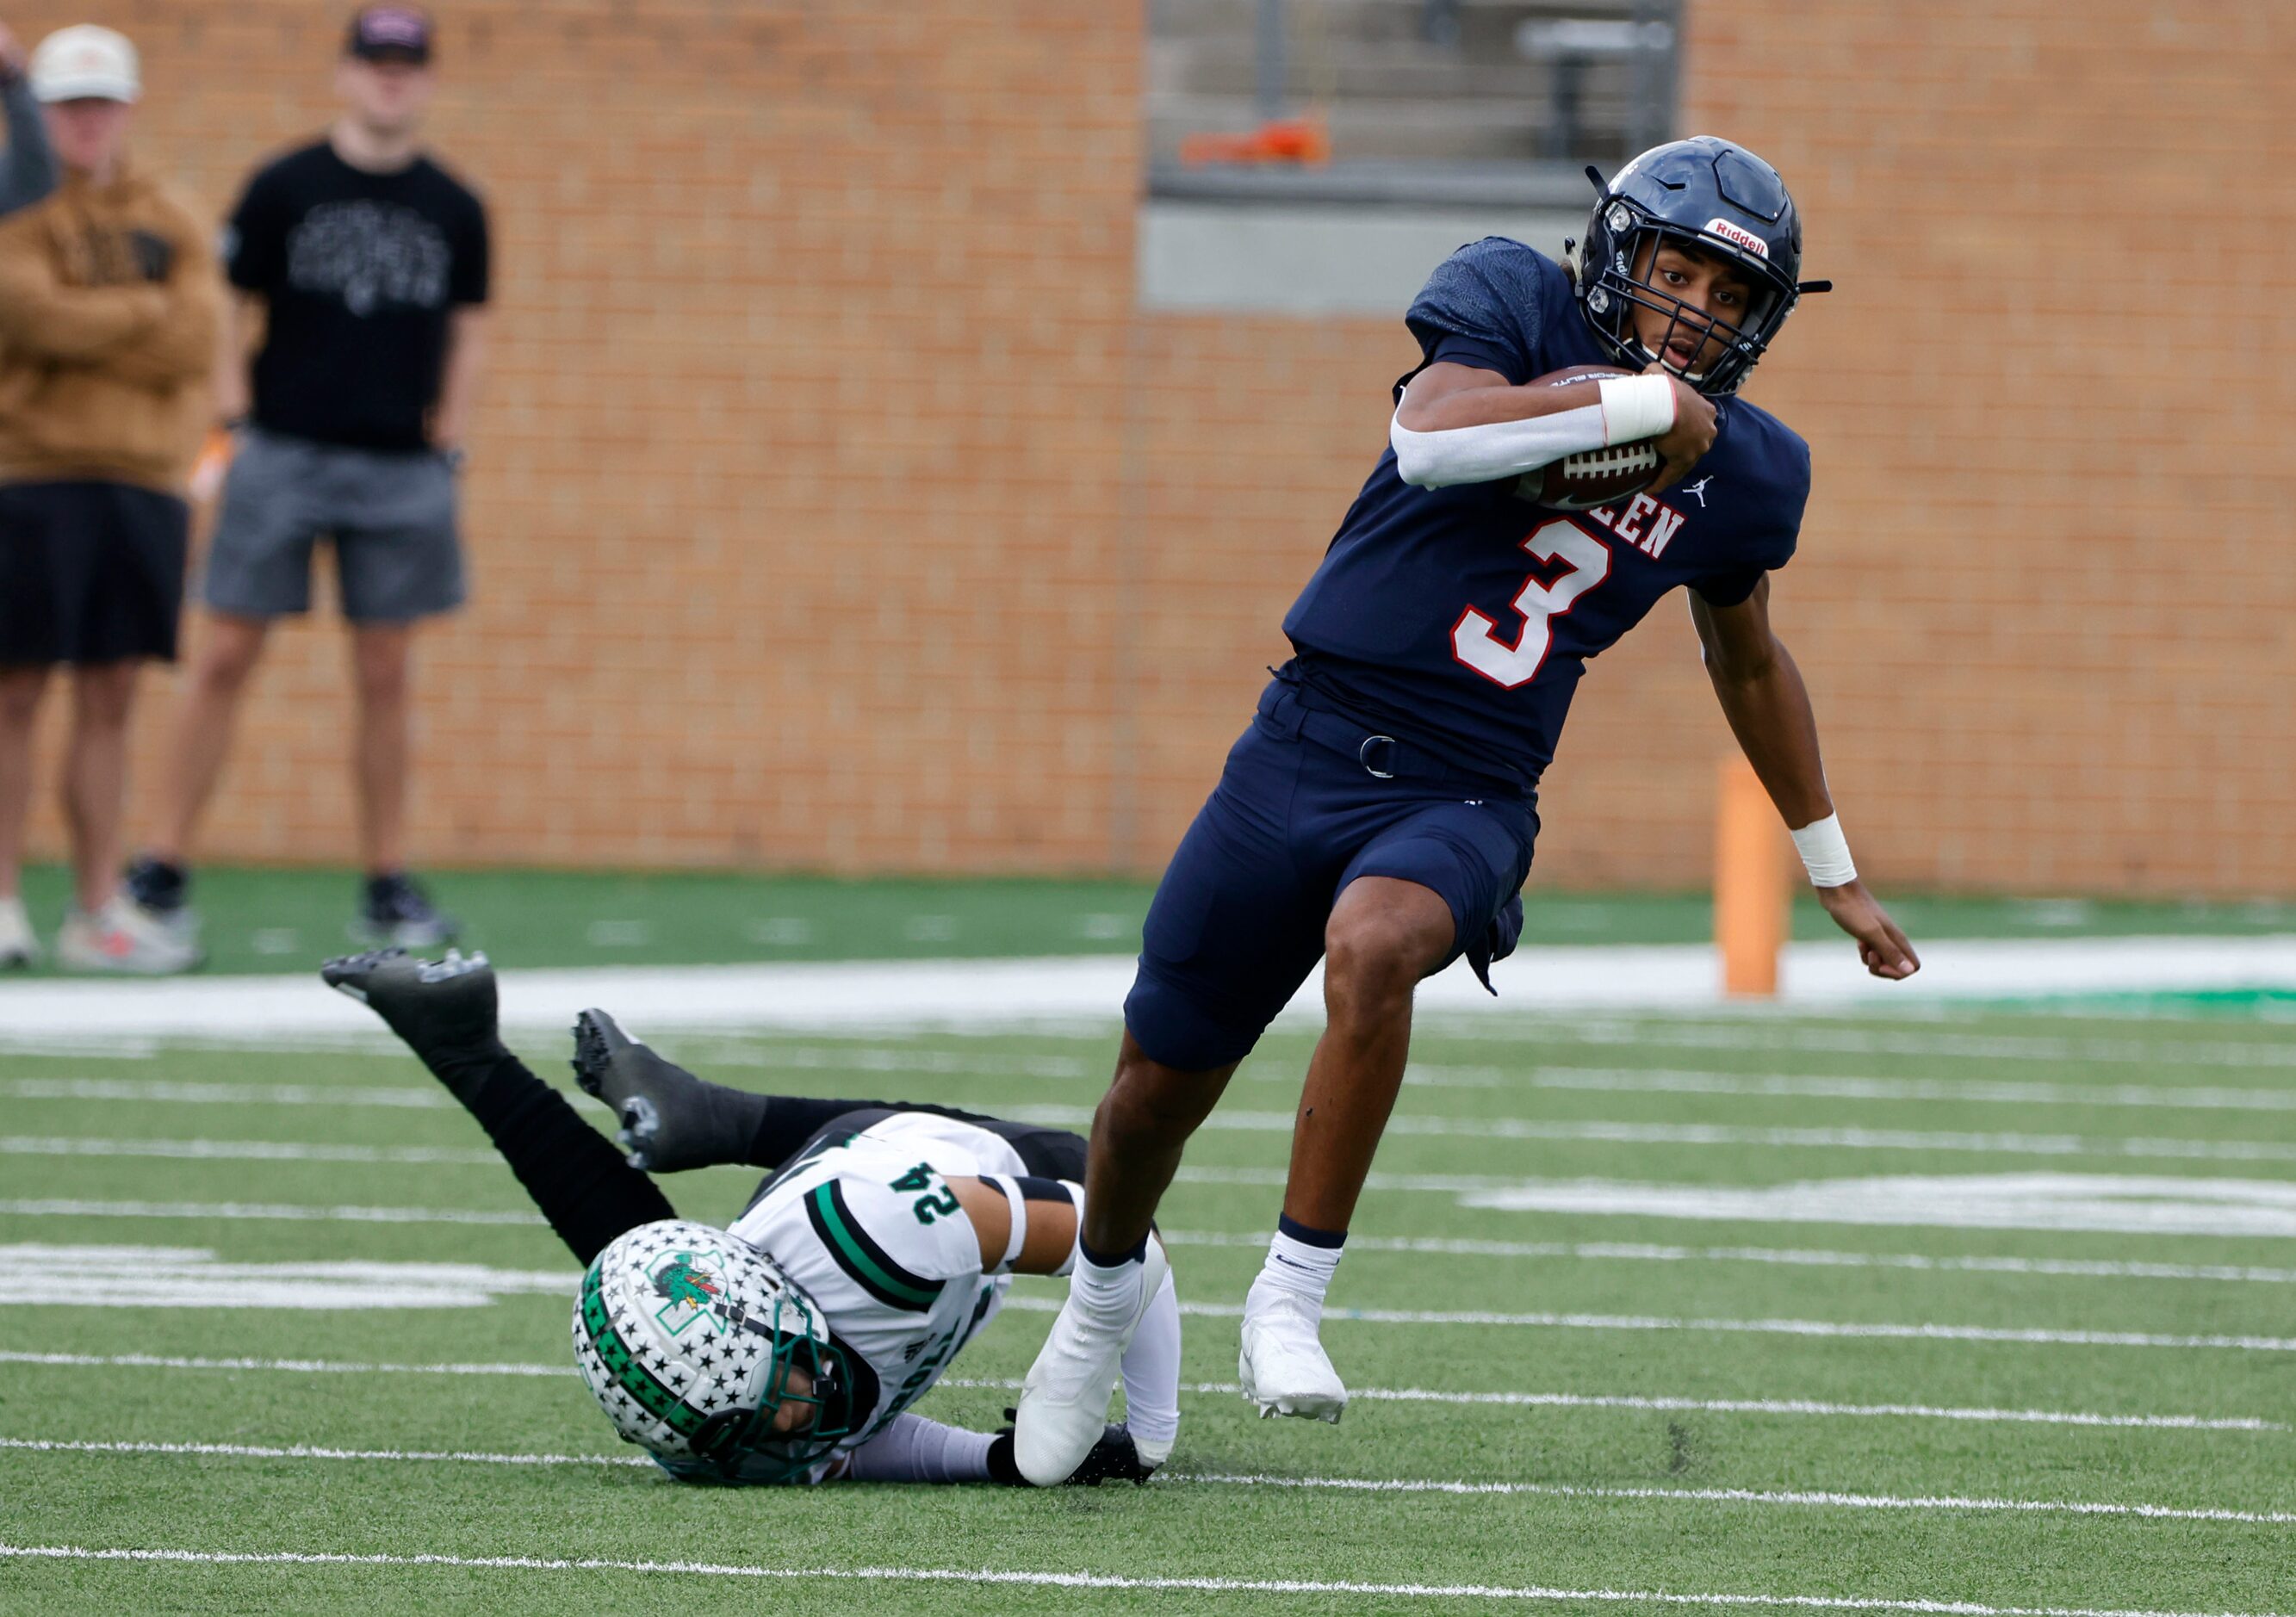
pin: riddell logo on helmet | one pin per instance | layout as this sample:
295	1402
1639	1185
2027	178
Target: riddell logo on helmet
1738	236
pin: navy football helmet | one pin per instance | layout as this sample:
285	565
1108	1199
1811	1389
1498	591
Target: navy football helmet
1716	198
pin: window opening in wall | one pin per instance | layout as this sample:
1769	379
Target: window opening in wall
1404	102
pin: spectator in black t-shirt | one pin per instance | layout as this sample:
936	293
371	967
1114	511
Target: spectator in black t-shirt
371	265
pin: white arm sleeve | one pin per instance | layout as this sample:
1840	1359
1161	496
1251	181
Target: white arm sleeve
1632	408
915	1449
1152	1379
1494	450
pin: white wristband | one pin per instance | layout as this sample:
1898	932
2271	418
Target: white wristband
1636	407
1825	853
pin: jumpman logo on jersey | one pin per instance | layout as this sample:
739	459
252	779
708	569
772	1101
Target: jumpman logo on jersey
1698	488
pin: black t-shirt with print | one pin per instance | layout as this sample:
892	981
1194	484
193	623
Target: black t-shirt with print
360	272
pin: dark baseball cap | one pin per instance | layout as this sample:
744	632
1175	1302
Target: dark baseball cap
389	33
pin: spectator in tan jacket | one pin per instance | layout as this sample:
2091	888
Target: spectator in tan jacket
108	300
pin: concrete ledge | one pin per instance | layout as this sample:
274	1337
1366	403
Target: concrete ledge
1314	258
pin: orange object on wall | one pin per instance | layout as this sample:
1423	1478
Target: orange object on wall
1282	140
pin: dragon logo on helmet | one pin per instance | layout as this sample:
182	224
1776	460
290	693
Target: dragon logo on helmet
687	1290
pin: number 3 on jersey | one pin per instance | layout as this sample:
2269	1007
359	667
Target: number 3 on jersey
1474	638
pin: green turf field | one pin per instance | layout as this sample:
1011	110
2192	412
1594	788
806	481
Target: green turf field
264	920
1764	1400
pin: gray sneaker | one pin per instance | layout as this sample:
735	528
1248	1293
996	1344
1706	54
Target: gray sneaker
163	892
394	913
119	938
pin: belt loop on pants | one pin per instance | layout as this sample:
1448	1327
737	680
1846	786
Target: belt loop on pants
1281	706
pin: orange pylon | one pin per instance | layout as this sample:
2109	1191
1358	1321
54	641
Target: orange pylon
1749	883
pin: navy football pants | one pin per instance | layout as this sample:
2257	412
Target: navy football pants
1301	811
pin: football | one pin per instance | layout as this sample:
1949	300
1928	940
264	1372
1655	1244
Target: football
1593	476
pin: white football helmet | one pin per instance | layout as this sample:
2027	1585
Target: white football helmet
686	1335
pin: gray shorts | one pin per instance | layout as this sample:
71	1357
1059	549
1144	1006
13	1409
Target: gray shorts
390	515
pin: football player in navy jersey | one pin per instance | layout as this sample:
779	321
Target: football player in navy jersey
1379	813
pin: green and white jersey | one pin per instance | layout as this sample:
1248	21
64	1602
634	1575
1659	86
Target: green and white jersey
869	1230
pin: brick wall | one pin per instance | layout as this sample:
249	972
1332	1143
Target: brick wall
832	507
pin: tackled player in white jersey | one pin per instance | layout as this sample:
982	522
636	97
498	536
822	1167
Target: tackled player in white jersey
787	1347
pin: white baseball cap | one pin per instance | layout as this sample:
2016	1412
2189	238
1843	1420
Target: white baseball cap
85	64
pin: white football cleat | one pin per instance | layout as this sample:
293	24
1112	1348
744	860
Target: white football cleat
19	945
1283	1366
1064	1401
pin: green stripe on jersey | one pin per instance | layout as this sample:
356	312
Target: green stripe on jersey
871	1267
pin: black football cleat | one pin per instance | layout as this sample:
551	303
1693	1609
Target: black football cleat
436	1006
669	1119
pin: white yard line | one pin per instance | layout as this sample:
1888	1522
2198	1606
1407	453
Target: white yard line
1955	1092
2096	1203
1874	1331
1532	1593
1799	1498
1408	1125
1754	1030
2101	1269
2083	1203
285	1367
1621	1081
1793	1406
242	1150
141	1091
1728	1135
1422	1395
1750	1496
60	1207
1734	1495
881	1058
34	1274
1761	1032
313	1451
2088	1203
1084	989
1419	1245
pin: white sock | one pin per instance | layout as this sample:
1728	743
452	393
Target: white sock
1106	1296
1151	1372
1297	1267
